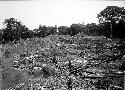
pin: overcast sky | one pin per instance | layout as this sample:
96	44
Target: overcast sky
54	12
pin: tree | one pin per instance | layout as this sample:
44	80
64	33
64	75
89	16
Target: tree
14	30
42	30
1	35
63	30
45	31
105	28
75	29
113	15
27	34
93	29
50	30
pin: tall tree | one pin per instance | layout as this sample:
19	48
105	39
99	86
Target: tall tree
93	29
113	15
14	30
43	30
1	35
63	30
76	28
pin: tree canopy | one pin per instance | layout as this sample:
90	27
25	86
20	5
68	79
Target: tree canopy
115	16
15	30
110	13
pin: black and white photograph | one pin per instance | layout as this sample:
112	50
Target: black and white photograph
62	45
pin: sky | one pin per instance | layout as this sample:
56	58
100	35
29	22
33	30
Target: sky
33	13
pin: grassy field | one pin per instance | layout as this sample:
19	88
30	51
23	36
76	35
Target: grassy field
56	60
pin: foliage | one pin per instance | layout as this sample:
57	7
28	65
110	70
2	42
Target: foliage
14	30
93	29
105	29
112	13
1	35
44	31
116	16
75	29
72	30
63	30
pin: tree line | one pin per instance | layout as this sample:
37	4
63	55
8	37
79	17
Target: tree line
111	24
